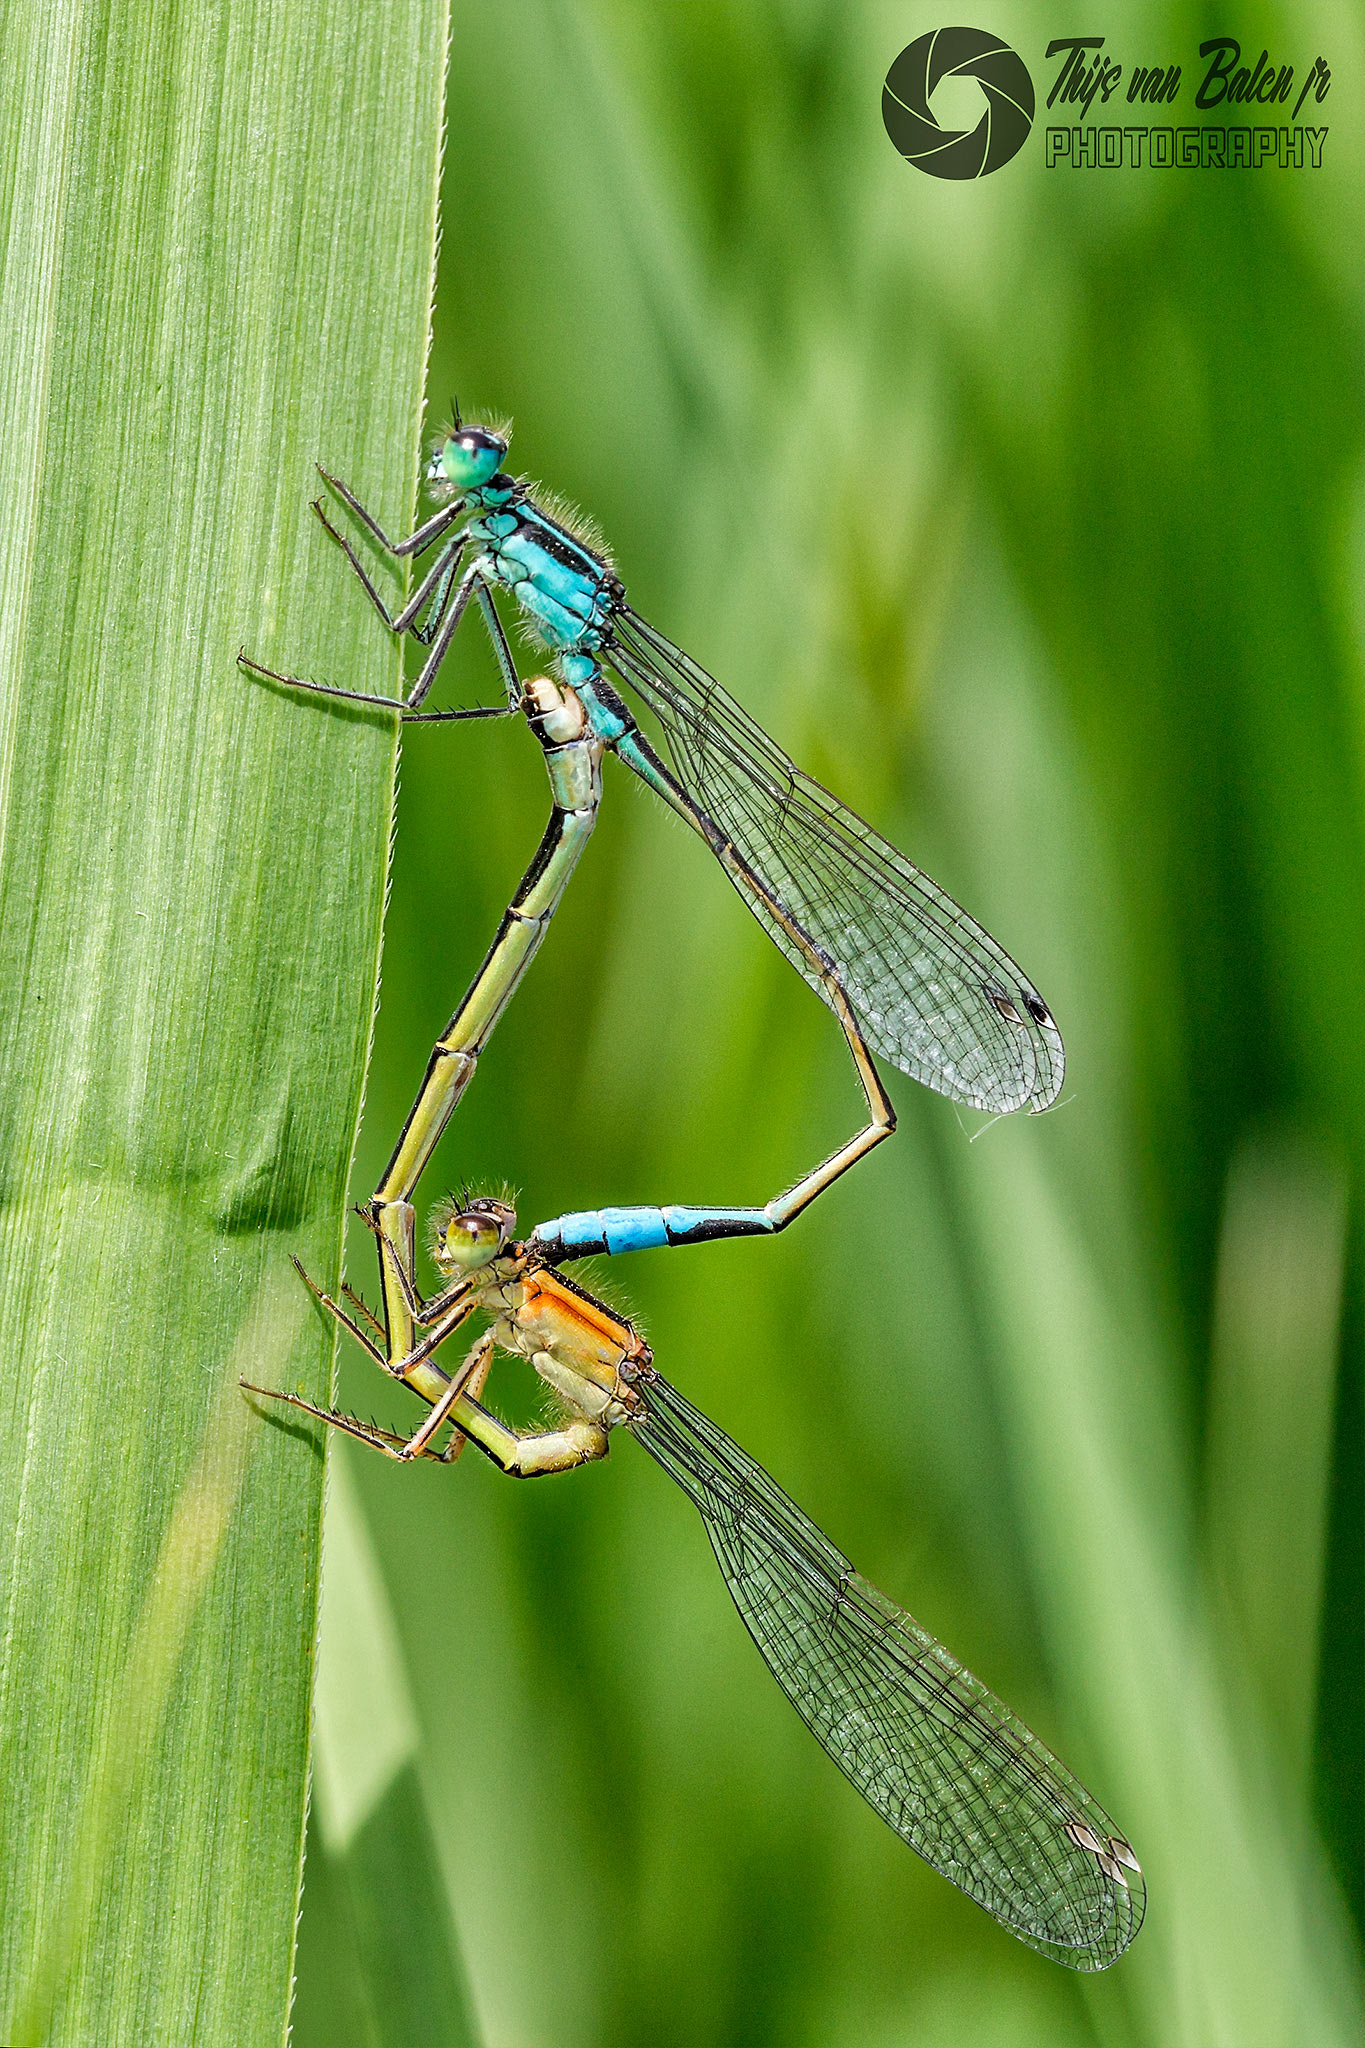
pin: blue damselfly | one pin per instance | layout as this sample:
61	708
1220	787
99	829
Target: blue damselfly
907	972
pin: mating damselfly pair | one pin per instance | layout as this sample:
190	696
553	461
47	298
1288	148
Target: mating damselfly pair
908	974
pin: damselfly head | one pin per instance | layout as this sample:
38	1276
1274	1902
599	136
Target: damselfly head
468	457
468	1233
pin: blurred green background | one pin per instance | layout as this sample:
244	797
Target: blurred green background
1029	515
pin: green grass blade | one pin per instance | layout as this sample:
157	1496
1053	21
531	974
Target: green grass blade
377	1956
218	235
1278	1309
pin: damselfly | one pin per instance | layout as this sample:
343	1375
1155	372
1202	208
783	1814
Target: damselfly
943	1761
906	971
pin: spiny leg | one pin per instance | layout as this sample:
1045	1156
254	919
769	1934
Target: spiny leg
366	1432
442	1393
437	581
473	577
456	1306
430	529
440	572
363	1309
438	576
335	1310
273	675
441	1319
520	1454
507	667
384	1440
470	1378
442	620
440	580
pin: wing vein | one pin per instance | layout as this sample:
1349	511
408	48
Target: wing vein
937	1755
933	991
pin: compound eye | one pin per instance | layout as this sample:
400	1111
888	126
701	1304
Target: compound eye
471	1237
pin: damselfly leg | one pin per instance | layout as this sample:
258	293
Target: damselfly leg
435	585
469	1379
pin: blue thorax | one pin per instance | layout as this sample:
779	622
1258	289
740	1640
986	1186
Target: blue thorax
562	584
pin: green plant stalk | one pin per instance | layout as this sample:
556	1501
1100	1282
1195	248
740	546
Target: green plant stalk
218	242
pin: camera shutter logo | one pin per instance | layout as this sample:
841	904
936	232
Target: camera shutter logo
958	53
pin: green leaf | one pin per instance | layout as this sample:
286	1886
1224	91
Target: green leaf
219	234
377	1955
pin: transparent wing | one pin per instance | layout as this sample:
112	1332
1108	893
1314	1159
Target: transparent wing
933	992
944	1762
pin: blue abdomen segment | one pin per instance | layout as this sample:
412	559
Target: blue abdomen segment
589	1232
